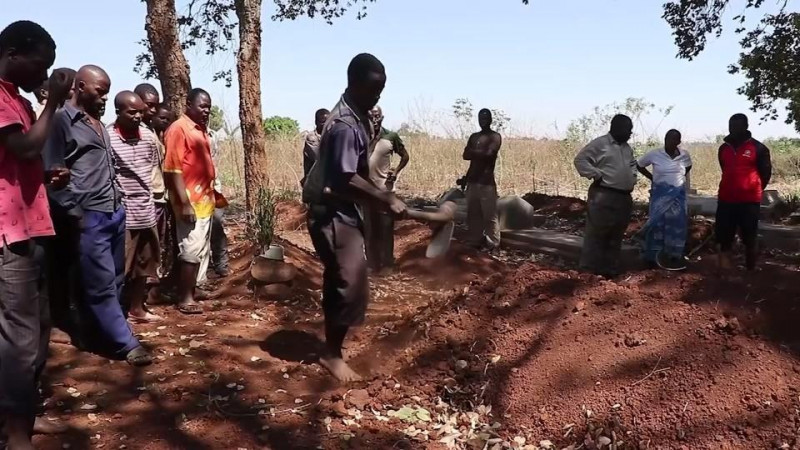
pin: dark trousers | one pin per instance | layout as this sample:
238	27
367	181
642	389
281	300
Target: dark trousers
379	235
24	327
165	226
63	280
345	284
102	269
219	241
608	213
742	218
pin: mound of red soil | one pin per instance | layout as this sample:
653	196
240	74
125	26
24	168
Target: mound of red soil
291	216
564	207
688	361
458	352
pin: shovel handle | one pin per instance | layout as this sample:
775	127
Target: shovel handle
445	213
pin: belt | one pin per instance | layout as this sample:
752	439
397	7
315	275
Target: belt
597	185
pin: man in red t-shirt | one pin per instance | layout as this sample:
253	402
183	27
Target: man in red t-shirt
746	170
26	53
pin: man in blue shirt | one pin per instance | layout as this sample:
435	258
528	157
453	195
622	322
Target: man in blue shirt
92	207
335	221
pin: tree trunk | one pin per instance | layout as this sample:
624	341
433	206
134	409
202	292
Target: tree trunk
248	64
173	69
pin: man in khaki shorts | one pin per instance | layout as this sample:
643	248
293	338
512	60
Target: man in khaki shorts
189	174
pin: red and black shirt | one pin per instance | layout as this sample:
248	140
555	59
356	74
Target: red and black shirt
746	170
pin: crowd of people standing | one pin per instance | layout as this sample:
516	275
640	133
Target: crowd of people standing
96	220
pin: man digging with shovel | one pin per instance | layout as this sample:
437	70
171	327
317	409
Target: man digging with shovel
338	180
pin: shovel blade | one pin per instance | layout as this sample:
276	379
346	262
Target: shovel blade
440	242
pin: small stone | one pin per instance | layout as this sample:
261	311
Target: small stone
339	409
580	306
633	340
358	398
461	364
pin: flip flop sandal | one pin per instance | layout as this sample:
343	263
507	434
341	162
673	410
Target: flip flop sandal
139	357
192	309
670	263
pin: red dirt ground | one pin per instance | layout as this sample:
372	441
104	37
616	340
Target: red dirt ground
483	352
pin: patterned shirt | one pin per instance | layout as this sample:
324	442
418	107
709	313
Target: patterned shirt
134	160
24	211
189	153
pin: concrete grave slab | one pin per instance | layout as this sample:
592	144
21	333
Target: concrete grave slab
705	205
553	243
782	237
514	213
701	205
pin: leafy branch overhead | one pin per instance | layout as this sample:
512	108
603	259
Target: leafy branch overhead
212	24
768	59
326	9
208	24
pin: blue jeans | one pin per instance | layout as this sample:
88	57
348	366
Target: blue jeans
102	267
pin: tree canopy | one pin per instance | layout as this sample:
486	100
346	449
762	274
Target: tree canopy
769	58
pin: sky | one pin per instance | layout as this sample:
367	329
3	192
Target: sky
544	64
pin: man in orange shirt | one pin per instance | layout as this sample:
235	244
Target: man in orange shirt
189	175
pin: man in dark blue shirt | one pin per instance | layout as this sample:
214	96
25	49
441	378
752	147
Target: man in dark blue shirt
91	204
335	221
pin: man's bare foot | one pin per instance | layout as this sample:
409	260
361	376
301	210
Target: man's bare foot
47	426
339	369
59	337
143	317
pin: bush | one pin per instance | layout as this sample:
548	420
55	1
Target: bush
279	127
262	225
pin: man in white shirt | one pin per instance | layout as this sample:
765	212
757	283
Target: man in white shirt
379	225
608	161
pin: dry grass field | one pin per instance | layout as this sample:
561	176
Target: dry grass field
524	165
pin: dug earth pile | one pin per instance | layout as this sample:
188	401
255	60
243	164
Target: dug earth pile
469	351
656	361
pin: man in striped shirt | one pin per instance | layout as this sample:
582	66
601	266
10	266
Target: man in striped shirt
135	151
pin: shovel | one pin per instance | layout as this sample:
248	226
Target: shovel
442	235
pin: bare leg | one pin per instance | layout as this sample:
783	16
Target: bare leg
136	292
48	427
187	278
333	359
724	260
18	433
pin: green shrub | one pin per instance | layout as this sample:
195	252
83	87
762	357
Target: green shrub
280	127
